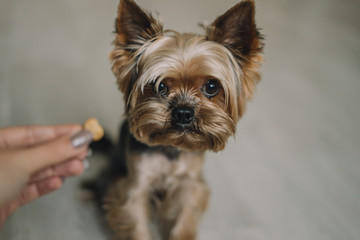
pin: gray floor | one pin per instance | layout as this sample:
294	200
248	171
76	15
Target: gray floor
293	171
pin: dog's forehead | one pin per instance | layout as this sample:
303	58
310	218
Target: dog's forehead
184	57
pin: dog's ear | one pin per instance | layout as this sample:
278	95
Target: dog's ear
133	26
237	31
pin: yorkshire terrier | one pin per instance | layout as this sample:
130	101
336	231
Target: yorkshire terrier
184	94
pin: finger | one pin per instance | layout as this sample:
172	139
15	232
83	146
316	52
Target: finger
26	136
69	168
33	191
59	150
37	189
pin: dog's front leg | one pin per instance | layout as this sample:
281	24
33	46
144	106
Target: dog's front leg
137	206
128	211
193	196
134	194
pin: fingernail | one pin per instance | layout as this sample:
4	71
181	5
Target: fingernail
81	138
86	163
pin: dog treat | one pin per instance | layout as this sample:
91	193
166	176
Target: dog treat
93	125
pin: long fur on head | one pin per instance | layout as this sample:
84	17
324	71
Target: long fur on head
145	55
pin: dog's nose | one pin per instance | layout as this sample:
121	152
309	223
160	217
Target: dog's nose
183	115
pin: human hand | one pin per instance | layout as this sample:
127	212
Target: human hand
35	159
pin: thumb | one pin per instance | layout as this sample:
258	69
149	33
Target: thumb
55	151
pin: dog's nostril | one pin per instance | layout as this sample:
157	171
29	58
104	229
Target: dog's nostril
183	115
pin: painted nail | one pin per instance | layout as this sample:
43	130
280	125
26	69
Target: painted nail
81	138
86	163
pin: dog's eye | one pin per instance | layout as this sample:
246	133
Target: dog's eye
211	88
163	89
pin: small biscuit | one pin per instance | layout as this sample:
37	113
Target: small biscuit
93	125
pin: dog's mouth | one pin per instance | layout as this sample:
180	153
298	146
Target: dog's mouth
178	130
187	137
184	128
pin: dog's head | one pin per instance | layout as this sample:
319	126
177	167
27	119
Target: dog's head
186	90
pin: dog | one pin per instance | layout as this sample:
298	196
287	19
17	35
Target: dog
184	94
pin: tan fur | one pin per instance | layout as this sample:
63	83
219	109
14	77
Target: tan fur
144	57
128	207
185	58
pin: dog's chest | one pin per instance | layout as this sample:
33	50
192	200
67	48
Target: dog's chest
155	170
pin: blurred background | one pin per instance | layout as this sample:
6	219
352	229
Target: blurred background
291	172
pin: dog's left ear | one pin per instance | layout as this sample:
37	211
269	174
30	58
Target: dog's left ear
237	31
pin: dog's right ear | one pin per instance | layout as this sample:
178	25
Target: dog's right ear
133	27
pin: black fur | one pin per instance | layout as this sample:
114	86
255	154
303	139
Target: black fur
117	166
